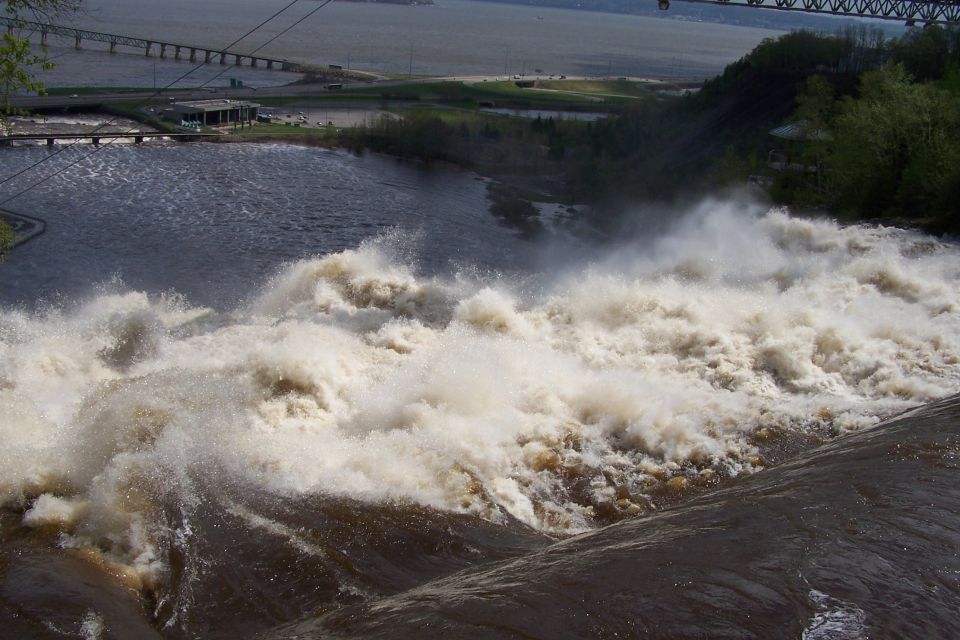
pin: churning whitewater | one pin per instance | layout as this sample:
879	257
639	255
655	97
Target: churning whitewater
664	368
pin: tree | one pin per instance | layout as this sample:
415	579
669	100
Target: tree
815	105
896	150
18	60
926	53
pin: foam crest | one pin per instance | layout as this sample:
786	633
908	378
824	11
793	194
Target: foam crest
652	372
364	285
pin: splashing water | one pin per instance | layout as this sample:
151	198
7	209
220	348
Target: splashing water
615	386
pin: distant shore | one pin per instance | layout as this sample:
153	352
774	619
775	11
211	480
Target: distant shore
406	2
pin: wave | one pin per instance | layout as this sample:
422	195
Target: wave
854	540
658	372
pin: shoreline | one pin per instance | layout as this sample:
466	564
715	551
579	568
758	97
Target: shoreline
25	228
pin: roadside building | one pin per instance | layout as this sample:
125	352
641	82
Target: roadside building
212	113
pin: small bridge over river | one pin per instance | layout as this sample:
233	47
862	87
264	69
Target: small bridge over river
192	52
96	137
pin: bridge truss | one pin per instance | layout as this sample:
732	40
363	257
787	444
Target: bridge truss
945	12
77	34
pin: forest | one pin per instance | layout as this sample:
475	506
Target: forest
874	127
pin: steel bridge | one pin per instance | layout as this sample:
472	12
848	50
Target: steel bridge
910	11
209	54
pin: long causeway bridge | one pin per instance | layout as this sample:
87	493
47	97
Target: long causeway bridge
178	51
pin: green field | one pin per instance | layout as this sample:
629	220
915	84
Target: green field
559	94
626	88
276	127
555	94
508	89
80	91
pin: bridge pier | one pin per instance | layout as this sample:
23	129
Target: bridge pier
50	142
138	139
240	60
96	141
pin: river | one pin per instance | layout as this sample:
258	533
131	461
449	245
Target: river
262	389
452	37
215	221
276	391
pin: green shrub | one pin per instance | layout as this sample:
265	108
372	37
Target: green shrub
7	237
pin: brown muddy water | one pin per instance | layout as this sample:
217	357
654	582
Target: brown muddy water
265	391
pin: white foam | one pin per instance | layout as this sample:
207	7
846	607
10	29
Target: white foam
51	510
835	619
351	375
92	627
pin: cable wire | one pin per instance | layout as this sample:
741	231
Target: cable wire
155	94
308	15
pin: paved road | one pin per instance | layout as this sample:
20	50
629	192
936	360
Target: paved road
168	95
152	97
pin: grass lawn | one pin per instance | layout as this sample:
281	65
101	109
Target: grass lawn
80	91
601	87
450	115
454	92
276	127
507	89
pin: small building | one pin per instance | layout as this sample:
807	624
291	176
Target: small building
802	131
213	113
796	137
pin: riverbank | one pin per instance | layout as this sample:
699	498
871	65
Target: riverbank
24	228
633	142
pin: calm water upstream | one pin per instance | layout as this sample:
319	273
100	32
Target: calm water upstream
280	392
213	221
449	38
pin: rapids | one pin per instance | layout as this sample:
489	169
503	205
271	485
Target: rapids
375	427
852	541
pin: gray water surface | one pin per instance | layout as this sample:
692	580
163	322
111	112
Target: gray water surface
211	221
452	37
